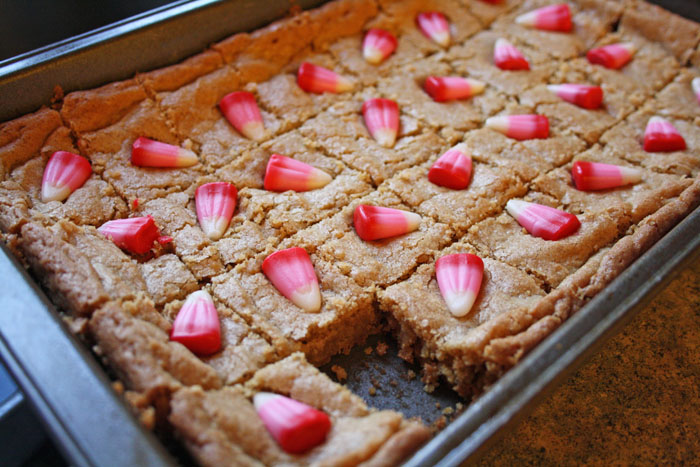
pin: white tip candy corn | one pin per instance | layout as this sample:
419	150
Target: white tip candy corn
293	275
382	120
543	221
241	110
316	79
548	18
377	45
284	173
459	279
696	87
450	88
434	26
215	203
507	57
613	56
149	153
64	173
582	95
520	127
591	176
375	222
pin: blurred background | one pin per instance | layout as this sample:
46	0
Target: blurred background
29	24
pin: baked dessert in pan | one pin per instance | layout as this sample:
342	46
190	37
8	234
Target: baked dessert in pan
130	301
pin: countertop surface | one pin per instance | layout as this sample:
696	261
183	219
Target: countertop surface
637	401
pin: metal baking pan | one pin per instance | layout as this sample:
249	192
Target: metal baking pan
18	431
71	392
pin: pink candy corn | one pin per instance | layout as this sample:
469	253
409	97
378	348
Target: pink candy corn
135	234
453	169
375	222
316	79
543	221
215	203
449	88
241	110
295	426
590	176
284	173
520	127
696	87
548	18
292	273
582	95
382	120
459	278
507	57
149	153
613	56
661	136
196	325
377	45
64	173
435	27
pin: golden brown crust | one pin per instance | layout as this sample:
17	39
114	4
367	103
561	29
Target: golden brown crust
649	232
346	138
14	207
400	446
175	216
196	415
180	74
346	317
294	377
167	279
224	422
678	34
243	351
588	281
119	275
94	203
552	261
189	110
633	203
263	53
695	58
232	46
677	100
97	108
273	47
489	190
142	308
61	267
341	19
142	354
22	138
429	332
